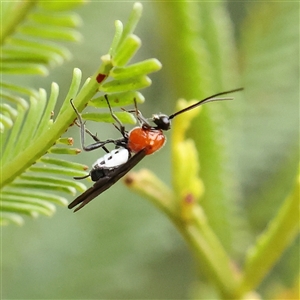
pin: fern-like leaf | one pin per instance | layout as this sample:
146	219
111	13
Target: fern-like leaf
29	36
32	175
30	33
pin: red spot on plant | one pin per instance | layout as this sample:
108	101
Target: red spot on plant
100	77
189	199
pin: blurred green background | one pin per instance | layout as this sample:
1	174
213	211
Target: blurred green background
120	246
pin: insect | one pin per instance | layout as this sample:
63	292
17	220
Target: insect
130	149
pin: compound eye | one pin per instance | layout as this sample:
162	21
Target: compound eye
162	121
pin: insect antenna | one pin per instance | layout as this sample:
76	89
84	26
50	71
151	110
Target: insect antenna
206	100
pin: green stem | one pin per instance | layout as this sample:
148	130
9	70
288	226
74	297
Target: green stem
271	244
209	252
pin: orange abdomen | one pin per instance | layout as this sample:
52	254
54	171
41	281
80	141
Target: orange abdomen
143	138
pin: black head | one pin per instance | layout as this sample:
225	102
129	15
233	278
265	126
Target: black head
162	121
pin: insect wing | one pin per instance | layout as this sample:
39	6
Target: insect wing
106	182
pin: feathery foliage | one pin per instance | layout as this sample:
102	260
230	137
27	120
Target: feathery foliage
31	36
31	178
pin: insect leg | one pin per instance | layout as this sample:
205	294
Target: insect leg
122	127
83	130
141	119
93	136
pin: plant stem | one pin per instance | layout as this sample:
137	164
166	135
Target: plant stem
271	243
205	245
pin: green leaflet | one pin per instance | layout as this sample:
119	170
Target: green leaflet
31	132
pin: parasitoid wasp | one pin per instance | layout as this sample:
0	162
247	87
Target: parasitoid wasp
130	149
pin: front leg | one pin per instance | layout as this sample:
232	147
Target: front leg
83	130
